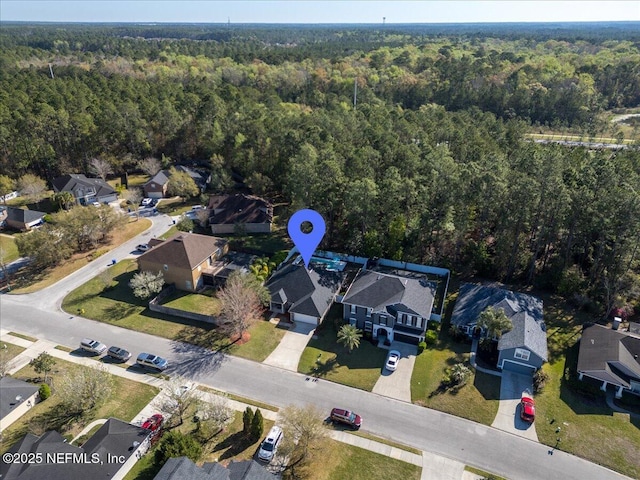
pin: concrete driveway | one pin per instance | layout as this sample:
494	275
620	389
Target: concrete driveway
287	353
398	384
512	386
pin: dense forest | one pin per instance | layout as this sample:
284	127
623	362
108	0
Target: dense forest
429	163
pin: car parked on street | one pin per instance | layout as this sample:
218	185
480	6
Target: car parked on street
146	202
119	354
148	360
346	417
143	247
92	346
527	409
392	360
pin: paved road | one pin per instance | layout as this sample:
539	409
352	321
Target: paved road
429	430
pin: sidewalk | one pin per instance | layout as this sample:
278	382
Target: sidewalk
434	467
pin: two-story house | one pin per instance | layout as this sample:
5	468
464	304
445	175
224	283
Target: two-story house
85	190
389	305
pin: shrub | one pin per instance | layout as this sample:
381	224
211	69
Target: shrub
257	425
421	347
540	379
44	391
247	419
433	325
176	444
431	337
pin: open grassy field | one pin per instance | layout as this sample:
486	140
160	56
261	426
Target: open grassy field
325	358
8	248
126	401
44	278
108	298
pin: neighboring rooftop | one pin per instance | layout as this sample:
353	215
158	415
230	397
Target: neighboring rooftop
183	249
12	389
80	183
22	215
239	209
163	176
182	468
390	293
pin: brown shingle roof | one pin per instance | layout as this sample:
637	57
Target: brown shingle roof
184	249
239	208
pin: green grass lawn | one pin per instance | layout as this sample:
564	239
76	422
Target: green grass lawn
8	248
267	243
9	351
482	390
108	298
205	303
359	369
126	401
589	428
169	233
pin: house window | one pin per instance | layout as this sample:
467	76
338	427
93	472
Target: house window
352	309
352	322
369	311
399	319
522	354
368	326
414	320
420	322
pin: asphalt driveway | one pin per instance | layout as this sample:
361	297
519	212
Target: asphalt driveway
287	354
512	386
398	384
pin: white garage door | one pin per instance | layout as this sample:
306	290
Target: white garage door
299	317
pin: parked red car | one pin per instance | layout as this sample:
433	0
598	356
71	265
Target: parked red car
345	416
154	422
527	409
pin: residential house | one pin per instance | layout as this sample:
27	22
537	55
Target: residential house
187	260
253	214
22	219
16	398
611	357
182	468
85	190
524	348
110	453
390	305
157	186
304	294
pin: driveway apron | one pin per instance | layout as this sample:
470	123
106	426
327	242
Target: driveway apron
398	384
287	353
512	387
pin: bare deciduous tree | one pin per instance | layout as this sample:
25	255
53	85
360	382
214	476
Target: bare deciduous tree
32	186
203	217
84	389
133	196
304	436
178	397
100	167
239	304
146	284
214	415
150	166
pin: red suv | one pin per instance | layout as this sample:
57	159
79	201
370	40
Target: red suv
527	409
345	416
154	422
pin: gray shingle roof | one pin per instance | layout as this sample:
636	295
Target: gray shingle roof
22	215
609	355
308	292
525	311
10	389
391	293
75	183
162	176
182	468
239	208
183	250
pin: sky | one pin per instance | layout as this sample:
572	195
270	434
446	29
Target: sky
337	11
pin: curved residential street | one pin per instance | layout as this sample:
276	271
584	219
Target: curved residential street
485	447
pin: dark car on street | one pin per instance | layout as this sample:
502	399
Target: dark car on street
346	417
119	354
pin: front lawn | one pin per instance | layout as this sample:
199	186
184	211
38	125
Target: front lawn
324	357
126	401
109	299
8	248
205	303
482	390
9	351
44	278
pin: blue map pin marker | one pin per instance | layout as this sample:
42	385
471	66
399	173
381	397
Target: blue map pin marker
306	242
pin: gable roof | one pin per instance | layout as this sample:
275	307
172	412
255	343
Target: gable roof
183	250
78	184
10	389
609	355
162	177
309	292
21	215
182	468
384	292
524	311
239	208
115	437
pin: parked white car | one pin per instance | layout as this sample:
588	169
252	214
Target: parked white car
392	360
